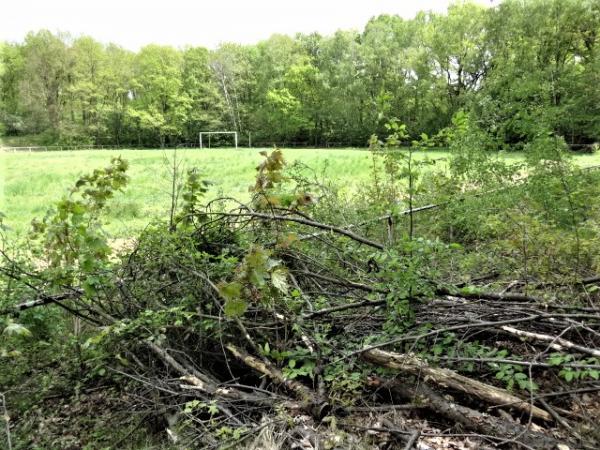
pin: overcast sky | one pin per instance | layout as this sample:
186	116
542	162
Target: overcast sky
135	23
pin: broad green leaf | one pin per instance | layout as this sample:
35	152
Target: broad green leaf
230	291
16	329
279	280
235	307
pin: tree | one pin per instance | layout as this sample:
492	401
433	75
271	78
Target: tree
207	109
542	57
11	73
518	69
117	89
159	106
305	83
47	70
85	92
231	65
347	110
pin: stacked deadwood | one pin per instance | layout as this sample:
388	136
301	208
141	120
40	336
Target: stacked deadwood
336	320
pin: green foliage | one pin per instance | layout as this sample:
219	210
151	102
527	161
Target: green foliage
268	190
71	236
320	90
194	190
512	375
297	362
269	171
15	329
573	374
407	271
474	158
15	335
258	278
402	171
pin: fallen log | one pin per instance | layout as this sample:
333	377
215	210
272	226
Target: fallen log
515	297
448	378
471	419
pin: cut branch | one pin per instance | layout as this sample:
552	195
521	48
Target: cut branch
266	368
474	420
446	377
556	342
310	223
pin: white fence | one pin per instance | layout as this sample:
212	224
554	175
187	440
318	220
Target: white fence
59	148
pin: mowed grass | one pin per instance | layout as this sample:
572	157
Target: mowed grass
30	183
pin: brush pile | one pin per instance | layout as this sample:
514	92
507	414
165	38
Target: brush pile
262	327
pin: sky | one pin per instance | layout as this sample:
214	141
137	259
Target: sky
135	23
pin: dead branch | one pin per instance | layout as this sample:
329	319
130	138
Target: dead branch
556	342
448	378
310	223
471	419
267	368
42	300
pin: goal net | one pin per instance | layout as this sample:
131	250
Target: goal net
205	137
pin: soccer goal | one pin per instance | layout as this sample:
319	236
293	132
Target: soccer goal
208	134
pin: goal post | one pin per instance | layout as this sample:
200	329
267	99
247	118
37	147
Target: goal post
210	133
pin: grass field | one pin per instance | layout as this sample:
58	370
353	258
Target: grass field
31	182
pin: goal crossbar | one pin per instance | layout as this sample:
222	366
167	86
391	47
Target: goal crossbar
209	133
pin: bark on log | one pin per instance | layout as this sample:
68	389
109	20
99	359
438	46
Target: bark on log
448	378
491	296
314	405
266	368
474	420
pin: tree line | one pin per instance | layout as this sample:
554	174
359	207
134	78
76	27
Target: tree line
515	69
